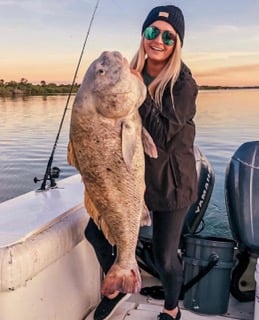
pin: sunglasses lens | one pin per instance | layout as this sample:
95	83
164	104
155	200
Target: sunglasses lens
168	38
150	33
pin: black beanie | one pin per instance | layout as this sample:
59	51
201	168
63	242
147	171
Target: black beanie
171	14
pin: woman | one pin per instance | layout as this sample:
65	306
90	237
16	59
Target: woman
171	179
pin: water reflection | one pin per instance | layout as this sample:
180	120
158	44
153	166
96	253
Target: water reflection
28	132
28	126
225	120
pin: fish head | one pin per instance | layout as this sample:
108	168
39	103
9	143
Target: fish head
114	90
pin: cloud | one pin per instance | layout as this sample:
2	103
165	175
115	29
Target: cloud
230	57
7	2
225	29
240	75
225	35
17	2
37	6
233	69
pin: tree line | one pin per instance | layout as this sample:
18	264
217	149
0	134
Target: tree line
24	87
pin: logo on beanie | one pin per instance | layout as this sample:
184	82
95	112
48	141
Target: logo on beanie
163	14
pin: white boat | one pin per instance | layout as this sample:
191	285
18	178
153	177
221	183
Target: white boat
138	307
49	271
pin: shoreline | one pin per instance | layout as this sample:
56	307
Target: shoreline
22	93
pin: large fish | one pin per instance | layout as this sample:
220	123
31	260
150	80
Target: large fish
106	146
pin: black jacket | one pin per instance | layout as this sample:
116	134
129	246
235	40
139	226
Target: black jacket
171	179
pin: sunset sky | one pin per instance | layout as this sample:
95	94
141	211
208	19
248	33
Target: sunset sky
42	39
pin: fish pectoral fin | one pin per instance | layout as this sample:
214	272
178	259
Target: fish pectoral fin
129	139
71	158
148	144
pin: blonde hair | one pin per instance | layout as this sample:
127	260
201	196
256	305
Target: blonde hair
169	73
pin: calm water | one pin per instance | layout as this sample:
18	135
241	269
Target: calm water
28	128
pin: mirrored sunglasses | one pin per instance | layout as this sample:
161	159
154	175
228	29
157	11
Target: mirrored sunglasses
152	32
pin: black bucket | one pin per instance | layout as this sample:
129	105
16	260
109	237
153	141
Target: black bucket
208	262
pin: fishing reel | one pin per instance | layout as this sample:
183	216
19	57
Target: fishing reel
51	174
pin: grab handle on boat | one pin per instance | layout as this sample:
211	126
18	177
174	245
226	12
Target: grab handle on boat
212	261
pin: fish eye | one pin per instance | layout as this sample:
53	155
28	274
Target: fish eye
101	72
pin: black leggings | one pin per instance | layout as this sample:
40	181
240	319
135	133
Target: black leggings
167	229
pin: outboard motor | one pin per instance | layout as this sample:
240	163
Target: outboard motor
194	218
206	179
242	202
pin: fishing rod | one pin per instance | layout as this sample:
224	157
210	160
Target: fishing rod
53	173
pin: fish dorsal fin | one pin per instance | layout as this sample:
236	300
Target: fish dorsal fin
128	134
148	144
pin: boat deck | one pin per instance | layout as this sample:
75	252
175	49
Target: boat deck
139	307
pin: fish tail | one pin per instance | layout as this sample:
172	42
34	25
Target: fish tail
121	279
